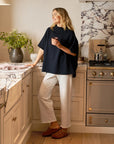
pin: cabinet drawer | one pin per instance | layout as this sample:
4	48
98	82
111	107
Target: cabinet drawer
102	120
13	95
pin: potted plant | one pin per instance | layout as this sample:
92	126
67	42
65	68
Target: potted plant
15	41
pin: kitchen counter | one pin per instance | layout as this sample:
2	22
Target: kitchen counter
13	70
10	75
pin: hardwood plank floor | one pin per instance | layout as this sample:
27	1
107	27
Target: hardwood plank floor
73	138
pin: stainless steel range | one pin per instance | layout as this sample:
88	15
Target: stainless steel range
100	94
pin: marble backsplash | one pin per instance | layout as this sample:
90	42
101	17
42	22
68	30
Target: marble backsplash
97	23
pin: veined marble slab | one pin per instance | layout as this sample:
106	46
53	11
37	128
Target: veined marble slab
97	23
13	70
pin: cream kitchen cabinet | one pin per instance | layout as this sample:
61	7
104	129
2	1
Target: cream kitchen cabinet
27	100
18	117
78	89
78	98
12	125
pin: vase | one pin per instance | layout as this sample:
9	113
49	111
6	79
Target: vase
33	56
15	55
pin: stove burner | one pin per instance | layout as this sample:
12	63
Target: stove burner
101	63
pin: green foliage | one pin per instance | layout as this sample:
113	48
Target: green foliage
16	40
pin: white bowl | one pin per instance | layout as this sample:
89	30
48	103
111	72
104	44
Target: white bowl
33	56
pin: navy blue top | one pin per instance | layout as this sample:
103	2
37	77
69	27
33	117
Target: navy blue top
57	61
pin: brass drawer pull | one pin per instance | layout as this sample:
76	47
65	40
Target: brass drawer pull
90	109
90	83
14	119
106	120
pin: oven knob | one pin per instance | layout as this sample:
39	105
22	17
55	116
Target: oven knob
112	73
101	74
93	73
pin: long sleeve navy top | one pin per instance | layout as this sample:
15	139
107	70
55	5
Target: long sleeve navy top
57	61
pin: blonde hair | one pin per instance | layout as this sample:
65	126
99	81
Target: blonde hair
65	19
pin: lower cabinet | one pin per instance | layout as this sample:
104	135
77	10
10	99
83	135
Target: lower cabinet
12	125
26	100
18	119
78	98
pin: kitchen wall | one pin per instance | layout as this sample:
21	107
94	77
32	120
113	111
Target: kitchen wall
97	23
91	20
34	16
5	25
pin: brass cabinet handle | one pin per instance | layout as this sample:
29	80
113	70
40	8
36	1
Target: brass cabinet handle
90	83
90	109
14	119
106	120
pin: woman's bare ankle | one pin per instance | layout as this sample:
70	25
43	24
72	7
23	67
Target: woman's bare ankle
54	125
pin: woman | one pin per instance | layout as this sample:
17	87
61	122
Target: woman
59	47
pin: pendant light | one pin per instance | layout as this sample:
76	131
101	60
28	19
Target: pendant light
2	2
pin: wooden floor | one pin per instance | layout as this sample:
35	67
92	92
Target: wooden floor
73	138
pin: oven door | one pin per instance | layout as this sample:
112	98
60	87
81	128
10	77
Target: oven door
100	96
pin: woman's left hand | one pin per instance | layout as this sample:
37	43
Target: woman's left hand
55	42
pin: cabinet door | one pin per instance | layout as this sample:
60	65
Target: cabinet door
78	85
8	128
27	98
16	118
100	96
22	122
77	110
36	112
37	79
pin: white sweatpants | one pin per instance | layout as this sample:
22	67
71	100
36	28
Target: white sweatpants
46	104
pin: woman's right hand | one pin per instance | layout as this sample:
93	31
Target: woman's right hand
32	65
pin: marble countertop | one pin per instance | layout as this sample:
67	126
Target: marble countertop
10	73
13	70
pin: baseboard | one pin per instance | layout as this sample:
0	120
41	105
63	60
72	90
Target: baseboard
38	126
87	129
25	134
75	128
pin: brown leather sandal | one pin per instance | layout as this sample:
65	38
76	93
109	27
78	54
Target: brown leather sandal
60	134
49	132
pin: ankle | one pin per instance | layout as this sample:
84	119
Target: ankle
54	125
